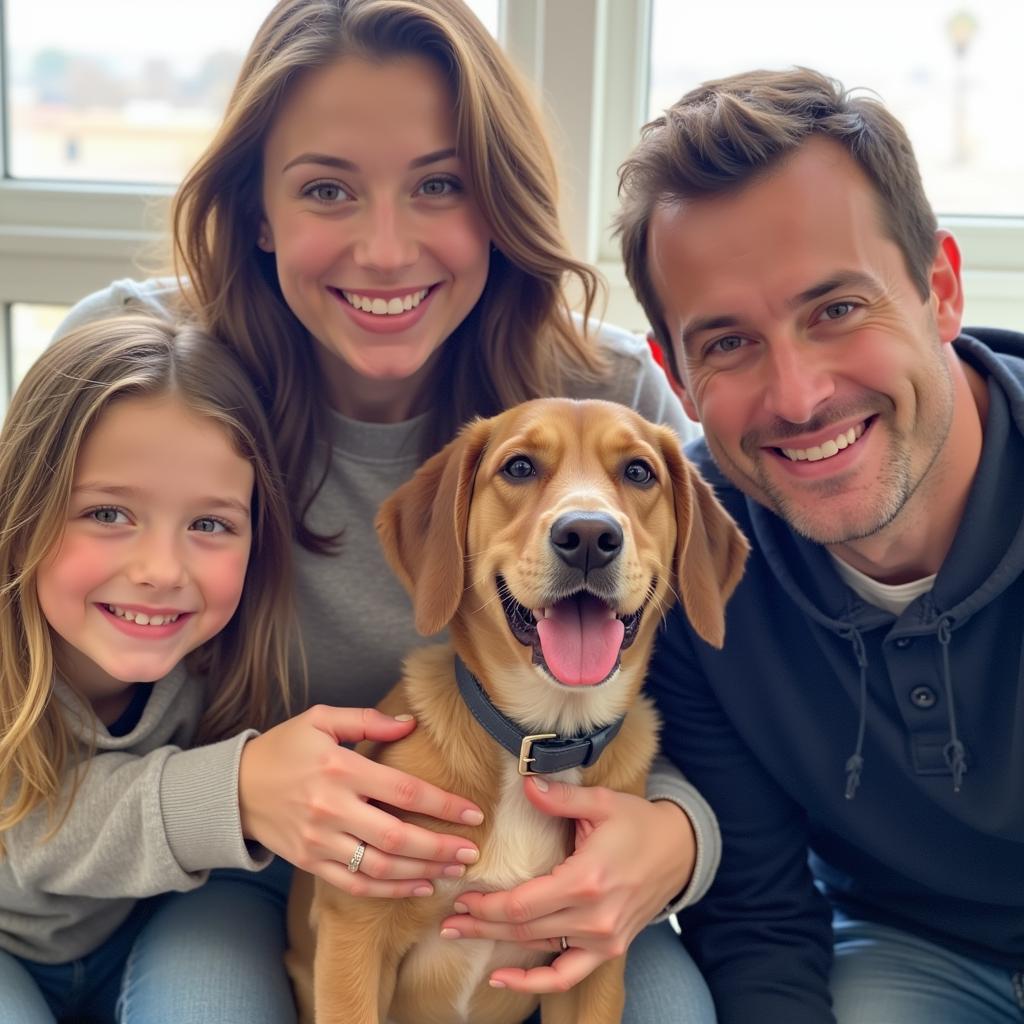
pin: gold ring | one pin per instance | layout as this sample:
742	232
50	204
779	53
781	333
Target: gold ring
357	857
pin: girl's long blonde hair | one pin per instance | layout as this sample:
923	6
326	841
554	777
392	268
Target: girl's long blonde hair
244	667
519	341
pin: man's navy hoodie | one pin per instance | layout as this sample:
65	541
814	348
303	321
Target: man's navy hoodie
890	747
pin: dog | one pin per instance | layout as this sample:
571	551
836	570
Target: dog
549	540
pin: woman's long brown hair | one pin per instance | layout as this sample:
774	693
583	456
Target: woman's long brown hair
520	341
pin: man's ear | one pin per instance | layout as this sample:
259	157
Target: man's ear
677	360
687	399
947	293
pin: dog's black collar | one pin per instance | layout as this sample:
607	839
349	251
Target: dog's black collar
538	753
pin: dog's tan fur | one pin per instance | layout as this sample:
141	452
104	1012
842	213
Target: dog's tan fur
449	533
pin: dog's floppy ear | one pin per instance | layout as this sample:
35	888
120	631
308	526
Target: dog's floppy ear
710	548
422	528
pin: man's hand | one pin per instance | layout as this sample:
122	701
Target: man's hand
631	858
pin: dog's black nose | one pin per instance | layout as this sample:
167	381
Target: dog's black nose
586	540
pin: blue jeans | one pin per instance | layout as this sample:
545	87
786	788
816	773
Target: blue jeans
663	985
882	975
214	956
81	990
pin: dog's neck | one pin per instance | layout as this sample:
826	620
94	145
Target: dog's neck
537	753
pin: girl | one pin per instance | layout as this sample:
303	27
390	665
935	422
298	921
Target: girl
138	492
373	231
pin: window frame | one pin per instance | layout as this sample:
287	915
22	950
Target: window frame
587	60
597	83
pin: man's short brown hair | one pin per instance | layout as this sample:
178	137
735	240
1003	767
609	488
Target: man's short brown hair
724	134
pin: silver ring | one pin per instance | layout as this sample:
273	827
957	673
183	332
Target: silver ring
357	857
564	942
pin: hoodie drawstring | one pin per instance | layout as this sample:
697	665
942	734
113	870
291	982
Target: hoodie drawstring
855	762
953	751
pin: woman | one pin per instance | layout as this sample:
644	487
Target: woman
373	231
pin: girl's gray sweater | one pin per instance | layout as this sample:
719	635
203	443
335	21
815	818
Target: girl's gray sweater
148	817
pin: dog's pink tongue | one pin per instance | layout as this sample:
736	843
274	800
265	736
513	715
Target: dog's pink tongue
580	640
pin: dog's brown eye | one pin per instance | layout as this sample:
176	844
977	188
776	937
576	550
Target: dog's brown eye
638	472
519	468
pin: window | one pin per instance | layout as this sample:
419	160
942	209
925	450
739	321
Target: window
87	103
103	105
32	326
102	108
956	90
948	71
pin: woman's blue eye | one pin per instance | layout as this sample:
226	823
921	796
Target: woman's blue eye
439	187
326	192
519	468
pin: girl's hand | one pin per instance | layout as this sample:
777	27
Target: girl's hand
307	798
632	858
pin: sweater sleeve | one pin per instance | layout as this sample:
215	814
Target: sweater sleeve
667	782
139	826
762	935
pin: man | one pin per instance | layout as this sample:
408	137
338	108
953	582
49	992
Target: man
863	728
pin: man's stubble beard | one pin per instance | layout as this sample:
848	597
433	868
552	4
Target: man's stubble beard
890	496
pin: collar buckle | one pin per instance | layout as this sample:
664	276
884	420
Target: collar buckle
526	748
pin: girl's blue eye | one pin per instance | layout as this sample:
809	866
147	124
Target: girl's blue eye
207	524
108	515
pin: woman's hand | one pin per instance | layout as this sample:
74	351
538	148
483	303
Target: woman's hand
632	858
307	798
